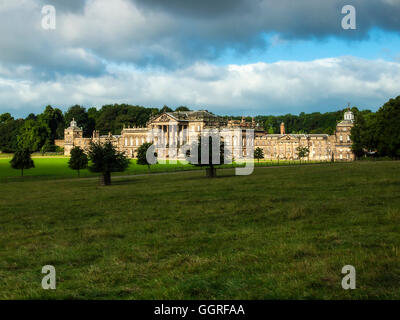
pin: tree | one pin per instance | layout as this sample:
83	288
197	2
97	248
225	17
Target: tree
112	118
271	130
358	136
302	152
5	117
54	119
201	145
9	129
388	129
142	154
106	159
78	160
165	109
22	160
31	116
48	146
258	154
182	108
33	135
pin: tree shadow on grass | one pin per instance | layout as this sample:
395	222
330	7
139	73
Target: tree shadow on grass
198	175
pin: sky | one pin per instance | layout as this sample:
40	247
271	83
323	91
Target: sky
231	57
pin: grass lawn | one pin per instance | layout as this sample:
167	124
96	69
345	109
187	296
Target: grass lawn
283	232
56	167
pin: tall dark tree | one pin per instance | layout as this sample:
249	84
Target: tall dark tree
78	160
388	129
359	136
93	115
54	119
142	154
22	160
105	159
208	163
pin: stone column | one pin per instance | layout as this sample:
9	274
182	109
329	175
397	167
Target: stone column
167	134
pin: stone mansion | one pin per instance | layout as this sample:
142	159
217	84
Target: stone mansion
173	130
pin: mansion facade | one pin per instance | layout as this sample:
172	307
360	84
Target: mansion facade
173	132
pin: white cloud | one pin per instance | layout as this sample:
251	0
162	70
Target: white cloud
261	88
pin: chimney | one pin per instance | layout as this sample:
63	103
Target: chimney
282	128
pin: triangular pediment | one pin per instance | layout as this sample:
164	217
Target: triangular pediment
165	117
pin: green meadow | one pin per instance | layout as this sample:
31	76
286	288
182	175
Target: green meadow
56	167
280	233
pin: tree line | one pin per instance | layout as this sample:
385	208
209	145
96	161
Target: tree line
373	134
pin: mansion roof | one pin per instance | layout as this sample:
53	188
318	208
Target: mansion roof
201	115
208	118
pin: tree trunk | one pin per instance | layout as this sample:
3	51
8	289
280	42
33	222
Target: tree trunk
211	172
79	175
22	172
105	179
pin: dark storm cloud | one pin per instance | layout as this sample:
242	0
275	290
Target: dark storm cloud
171	33
292	18
203	9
